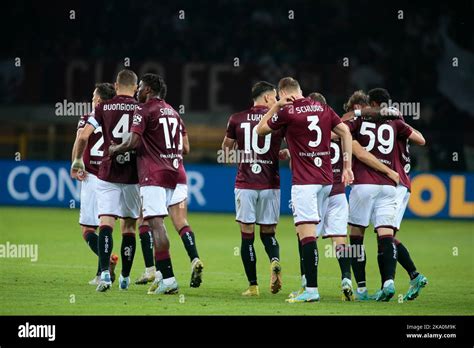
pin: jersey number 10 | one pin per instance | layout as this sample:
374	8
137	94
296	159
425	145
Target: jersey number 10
251	137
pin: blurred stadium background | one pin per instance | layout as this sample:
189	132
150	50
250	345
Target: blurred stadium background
56	56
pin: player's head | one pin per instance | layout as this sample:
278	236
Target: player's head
317	97
288	87
126	82
102	92
377	96
358	100
151	85
264	93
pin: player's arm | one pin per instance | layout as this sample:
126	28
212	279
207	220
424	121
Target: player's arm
130	144
416	136
371	112
78	150
370	160
186	147
263	128
228	144
343	132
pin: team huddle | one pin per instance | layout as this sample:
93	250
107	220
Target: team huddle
128	154
321	146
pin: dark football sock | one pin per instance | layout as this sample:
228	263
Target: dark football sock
249	258
380	261
106	244
127	251
163	263
98	267
189	241
342	254
92	240
300	252
358	260
405	260
310	260
389	256
146	241
271	246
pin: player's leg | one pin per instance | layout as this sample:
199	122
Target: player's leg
127	250
129	204
89	219
146	243
361	201
178	211
306	215
268	213
384	223
245	203
417	280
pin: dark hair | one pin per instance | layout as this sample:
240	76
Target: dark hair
105	90
317	97
127	78
260	88
156	84
288	83
358	97
379	95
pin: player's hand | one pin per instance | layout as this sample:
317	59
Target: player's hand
394	176
112	148
78	170
284	154
283	102
347	176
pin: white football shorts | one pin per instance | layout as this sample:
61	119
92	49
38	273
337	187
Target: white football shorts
119	200
372	203
334	216
155	201
180	194
402	198
88	215
257	206
307	202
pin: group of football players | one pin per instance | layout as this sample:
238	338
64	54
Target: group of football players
128	154
321	146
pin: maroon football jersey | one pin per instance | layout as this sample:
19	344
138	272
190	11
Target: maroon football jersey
94	149
160	155
380	139
115	116
402	162
259	167
308	134
337	166
182	179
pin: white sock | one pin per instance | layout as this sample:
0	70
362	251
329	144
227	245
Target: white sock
388	282
169	281
361	290
303	280
312	290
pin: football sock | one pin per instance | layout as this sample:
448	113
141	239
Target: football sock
380	261
344	260
163	263
389	257
310	260
300	251
187	236
405	260
358	260
249	258
105	246
271	246
146	241
92	240
127	251
98	268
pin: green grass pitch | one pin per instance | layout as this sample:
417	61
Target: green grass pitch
56	284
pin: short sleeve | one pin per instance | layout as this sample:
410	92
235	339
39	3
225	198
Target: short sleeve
280	119
230	132
403	130
95	119
335	119
139	121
